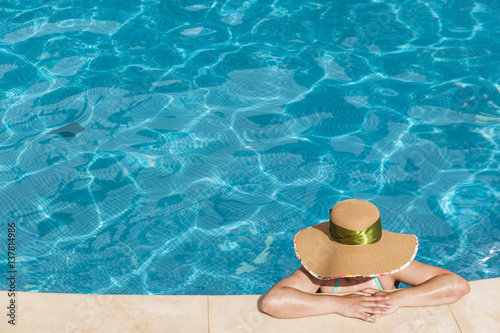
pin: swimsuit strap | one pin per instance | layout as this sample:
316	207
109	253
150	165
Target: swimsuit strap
336	285
378	283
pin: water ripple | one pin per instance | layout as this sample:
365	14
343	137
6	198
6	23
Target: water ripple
209	134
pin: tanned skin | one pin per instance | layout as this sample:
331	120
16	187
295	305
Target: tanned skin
302	295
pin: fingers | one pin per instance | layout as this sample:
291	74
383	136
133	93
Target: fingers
367	307
369	318
372	311
378	298
370	314
382	305
379	311
376	308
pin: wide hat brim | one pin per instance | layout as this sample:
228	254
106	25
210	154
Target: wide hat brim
327	259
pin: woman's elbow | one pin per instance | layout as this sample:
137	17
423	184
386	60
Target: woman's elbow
460	288
463	287
269	304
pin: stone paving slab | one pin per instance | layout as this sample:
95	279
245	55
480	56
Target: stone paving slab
71	313
479	311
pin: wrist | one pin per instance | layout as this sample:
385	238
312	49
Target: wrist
336	304
397	298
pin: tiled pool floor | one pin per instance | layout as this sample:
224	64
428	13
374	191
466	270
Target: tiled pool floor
479	311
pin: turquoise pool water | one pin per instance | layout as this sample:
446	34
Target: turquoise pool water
176	147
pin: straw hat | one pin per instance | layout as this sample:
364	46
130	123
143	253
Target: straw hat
353	244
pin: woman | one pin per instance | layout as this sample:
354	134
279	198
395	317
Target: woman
352	253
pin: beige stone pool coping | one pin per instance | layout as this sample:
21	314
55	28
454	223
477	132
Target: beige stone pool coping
478	311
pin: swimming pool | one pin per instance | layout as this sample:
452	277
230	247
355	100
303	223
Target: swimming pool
176	147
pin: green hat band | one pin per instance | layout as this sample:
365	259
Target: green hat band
370	235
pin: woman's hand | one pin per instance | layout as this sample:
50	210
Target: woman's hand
391	300
364	307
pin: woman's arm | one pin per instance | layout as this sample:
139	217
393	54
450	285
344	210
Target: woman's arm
432	286
295	297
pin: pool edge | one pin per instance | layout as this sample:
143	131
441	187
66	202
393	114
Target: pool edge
50	312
